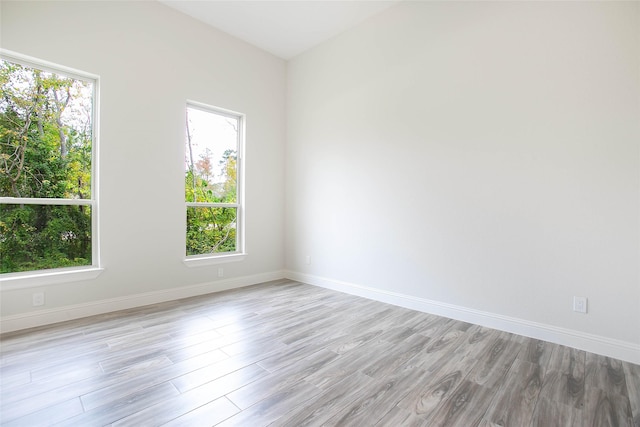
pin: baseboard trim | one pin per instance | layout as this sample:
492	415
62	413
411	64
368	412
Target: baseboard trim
55	315
618	349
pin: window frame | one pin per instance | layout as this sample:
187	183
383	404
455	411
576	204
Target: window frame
25	279
240	253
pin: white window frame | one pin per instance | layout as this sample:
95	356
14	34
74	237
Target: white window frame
26	279
239	254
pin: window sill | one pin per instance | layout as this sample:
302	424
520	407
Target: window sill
199	261
52	277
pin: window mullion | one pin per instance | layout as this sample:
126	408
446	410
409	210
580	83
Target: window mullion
211	205
44	201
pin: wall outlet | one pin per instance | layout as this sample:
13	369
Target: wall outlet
307	260
580	304
37	299
220	272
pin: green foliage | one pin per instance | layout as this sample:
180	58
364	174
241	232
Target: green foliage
36	237
211	229
45	152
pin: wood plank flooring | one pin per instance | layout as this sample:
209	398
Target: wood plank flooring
288	354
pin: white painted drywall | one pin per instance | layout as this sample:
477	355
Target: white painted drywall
482	154
479	154
150	60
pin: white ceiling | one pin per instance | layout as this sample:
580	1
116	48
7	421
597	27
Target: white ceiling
284	28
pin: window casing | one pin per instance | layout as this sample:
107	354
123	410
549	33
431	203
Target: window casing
214	143
48	173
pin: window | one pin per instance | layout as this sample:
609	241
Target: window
213	182
48	216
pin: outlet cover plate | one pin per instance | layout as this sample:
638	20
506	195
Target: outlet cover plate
580	304
37	299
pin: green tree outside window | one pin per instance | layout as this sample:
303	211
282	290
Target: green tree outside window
46	135
211	181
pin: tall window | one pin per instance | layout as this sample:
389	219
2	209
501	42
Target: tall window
47	185
212	184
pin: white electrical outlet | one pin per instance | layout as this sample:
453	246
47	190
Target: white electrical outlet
307	260
580	304
37	299
220	272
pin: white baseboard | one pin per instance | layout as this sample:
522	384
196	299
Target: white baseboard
622	350
55	315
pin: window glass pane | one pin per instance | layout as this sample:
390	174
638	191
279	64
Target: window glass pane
45	134
38	237
211	230
211	154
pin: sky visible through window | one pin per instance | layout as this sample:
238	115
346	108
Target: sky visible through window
211	135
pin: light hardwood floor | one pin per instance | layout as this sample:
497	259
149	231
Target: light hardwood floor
289	354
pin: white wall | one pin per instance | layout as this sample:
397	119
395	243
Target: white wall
482	156
150	60
478	156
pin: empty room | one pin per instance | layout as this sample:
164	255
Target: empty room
287	213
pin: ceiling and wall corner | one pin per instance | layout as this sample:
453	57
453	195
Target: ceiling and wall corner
283	28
